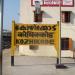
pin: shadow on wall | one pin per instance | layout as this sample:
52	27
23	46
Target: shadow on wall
34	47
72	17
73	44
46	15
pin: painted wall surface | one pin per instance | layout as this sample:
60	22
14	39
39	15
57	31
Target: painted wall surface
50	16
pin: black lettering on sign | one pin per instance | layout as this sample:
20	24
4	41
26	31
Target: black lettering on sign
54	28
30	28
50	35
34	41
22	28
19	34
17	27
22	34
17	41
25	41
21	41
51	41
30	42
44	28
49	27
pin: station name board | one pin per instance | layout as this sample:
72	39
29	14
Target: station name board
36	34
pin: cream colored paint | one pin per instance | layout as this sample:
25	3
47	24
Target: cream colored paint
50	16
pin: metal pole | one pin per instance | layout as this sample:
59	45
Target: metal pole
59	65
59	51
1	31
60	35
12	43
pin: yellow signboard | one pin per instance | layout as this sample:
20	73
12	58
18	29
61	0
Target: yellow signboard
36	34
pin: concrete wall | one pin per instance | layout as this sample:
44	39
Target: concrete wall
50	16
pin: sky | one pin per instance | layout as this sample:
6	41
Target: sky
11	12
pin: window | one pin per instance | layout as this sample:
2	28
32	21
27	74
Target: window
66	43
37	17
65	16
